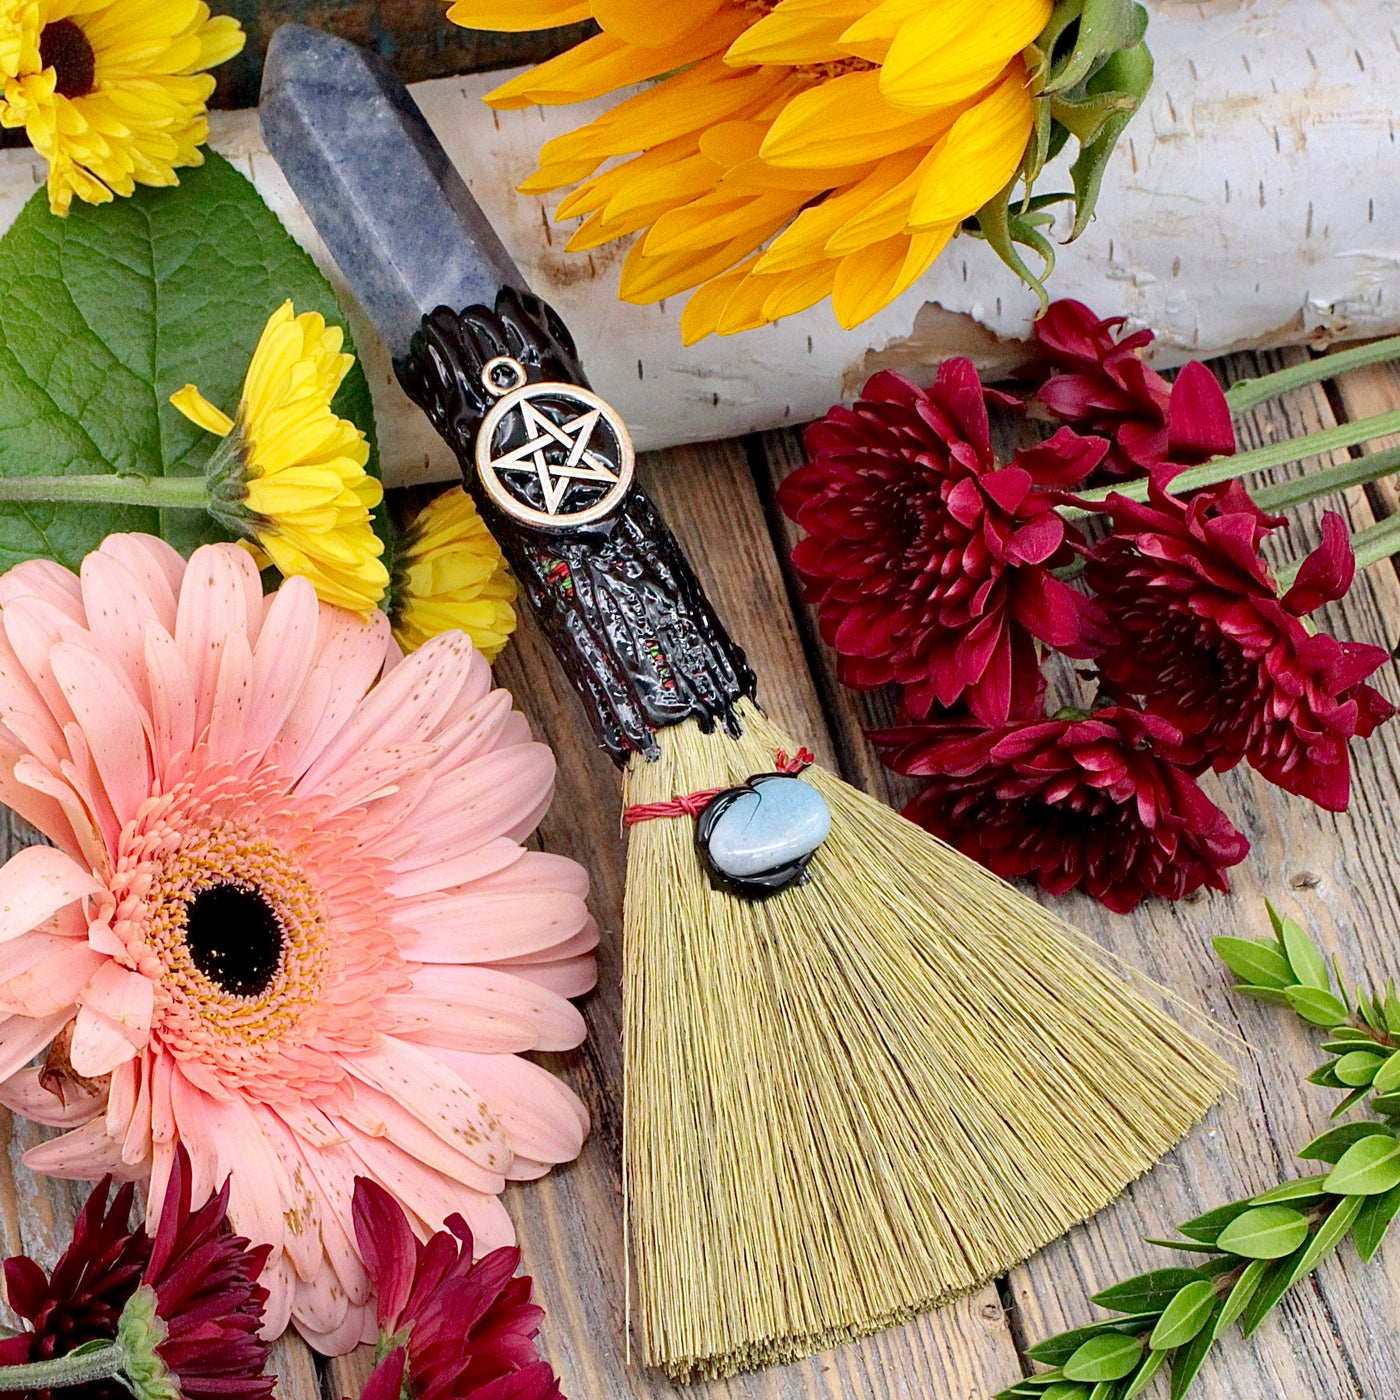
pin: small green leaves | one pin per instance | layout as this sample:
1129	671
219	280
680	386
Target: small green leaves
1367	1167
1147	1293
1331	1146
1184	1316
1315	1005
1258	963
1265	1232
1254	1250
1373	1221
1109	1357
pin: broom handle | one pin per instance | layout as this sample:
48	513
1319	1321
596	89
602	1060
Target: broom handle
617	599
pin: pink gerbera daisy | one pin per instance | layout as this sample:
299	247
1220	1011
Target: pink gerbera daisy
288	922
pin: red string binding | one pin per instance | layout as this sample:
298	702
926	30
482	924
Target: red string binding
693	804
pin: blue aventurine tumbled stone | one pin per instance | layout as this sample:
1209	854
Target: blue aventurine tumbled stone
391	207
780	821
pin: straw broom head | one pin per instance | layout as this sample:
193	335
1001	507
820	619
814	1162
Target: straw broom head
870	1093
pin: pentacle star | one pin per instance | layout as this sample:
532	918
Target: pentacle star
580	465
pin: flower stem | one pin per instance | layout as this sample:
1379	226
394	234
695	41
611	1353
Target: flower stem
170	492
1355	472
1275	454
1249	392
102	1363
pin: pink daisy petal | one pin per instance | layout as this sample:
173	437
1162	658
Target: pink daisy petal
284	820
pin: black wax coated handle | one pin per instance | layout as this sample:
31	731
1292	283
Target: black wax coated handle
617	599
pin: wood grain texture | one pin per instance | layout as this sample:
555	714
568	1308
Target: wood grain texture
1338	1338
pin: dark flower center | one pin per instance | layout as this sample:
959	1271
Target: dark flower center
65	48
234	938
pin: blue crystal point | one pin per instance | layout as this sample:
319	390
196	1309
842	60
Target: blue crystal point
395	214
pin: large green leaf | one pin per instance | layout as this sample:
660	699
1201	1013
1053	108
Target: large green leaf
104	314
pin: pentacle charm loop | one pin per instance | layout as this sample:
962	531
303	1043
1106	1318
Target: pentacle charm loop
503	374
554	456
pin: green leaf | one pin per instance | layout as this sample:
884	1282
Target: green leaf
1106	1358
1273	1284
1367	1167
1374	1220
1147	1293
1304	956
1334	1143
104	314
1327	1236
1265	1232
1391	1007
1346	1038
1275	918
1272	995
1386	1104
1152	1363
1258	963
1305	1188
1387	1078
1189	1246
1129	71
1351	1100
1187	1362
1067	1390
1184	1316
1056	1350
1357	1068
1326	1076
1314	1005
1238	1298
1207	1227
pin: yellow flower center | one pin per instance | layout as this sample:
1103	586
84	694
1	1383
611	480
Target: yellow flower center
67	50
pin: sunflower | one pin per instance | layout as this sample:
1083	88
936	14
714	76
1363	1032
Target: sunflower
111	92
794	150
450	573
286	913
290	475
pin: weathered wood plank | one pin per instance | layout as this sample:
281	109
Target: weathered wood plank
1339	870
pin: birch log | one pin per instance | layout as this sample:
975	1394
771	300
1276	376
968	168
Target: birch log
1254	201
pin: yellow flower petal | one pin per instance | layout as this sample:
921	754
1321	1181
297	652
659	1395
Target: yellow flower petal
513	16
979	156
957	48
866	282
818	127
201	412
807	31
451	574
706	305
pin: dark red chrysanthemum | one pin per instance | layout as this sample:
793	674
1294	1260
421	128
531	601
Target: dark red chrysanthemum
83	1298
1098	382
459	1330
200	1278
1205	641
928	563
1085	804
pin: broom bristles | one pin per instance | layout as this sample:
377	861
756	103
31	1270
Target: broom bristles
869	1094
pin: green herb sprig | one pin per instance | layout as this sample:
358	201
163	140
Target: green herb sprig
1256	1249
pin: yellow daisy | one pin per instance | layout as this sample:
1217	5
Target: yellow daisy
450	573
790	151
290	475
111	93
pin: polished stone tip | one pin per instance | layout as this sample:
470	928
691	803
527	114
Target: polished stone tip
392	209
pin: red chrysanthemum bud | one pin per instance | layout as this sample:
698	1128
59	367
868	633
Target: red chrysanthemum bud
930	564
1097	381
1080	803
1206	642
454	1329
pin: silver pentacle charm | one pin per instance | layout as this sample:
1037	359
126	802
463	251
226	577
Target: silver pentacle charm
550	455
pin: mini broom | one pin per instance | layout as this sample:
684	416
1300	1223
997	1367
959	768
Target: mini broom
863	1075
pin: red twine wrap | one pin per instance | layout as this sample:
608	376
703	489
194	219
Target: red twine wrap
693	804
